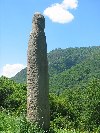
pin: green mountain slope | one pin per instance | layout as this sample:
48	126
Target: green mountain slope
20	77
78	75
63	59
64	64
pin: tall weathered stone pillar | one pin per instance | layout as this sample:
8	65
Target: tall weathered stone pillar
37	74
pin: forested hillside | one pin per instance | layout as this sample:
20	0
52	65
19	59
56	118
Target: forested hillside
70	67
20	77
74	82
78	75
63	59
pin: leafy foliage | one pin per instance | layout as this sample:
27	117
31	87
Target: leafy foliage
12	95
77	108
74	109
74	94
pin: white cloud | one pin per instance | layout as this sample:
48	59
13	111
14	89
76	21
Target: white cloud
59	12
10	70
69	4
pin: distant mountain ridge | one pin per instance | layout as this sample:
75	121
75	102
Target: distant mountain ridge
69	67
20	77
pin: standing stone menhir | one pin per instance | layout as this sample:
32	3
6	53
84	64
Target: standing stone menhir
37	74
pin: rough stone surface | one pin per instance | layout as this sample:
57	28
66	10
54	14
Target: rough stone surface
37	74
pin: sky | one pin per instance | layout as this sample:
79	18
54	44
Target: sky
69	23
